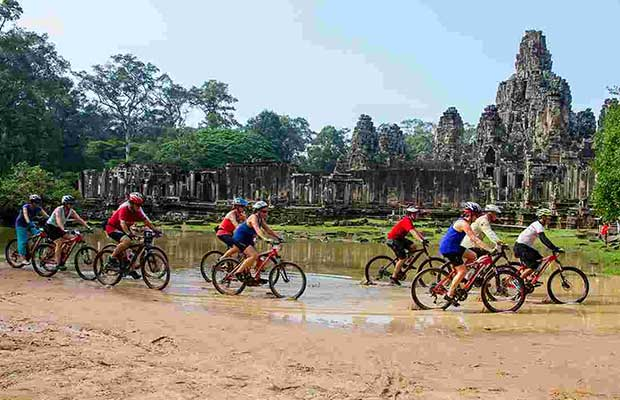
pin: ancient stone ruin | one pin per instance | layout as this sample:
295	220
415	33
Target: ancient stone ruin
530	149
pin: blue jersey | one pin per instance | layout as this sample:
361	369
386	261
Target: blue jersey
33	211
451	241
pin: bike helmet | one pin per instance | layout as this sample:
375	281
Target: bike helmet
471	207
259	205
240	201
68	199
544	212
492	208
411	210
35	198
136	198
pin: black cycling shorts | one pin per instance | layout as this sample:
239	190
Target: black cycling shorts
54	232
400	247
456	259
227	239
528	256
479	252
117	236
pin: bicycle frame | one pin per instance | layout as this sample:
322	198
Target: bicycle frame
481	264
263	259
544	263
69	245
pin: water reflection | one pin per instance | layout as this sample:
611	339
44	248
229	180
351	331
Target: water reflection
334	296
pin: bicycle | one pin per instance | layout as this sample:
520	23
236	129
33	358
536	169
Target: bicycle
44	263
154	265
502	289
381	267
286	279
560	282
11	252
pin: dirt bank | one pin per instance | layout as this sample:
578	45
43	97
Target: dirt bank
68	339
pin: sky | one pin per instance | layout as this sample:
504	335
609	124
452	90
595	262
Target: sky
330	61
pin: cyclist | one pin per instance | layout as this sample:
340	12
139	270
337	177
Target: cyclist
482	228
524	247
227	227
245	234
55	226
24	224
118	228
450	246
398	242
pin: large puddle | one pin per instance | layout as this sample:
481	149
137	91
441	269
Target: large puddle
335	298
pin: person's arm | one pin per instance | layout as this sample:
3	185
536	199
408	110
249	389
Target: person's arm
58	221
545	240
472	236
80	220
45	215
25	214
418	234
489	233
232	217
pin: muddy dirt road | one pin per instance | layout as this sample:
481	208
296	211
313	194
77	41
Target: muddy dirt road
68	339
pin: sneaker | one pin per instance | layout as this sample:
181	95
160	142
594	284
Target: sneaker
113	264
62	267
451	300
394	281
134	274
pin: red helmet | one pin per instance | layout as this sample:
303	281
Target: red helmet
136	198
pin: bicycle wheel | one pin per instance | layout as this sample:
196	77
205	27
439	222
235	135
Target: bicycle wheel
568	285
43	260
432	262
155	271
12	255
503	291
288	280
379	269
428	288
106	274
85	263
223	281
207	263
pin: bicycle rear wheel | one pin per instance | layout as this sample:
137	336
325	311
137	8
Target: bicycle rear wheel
12	254
568	285
43	260
379	269
222	279
428	288
503	291
155	271
85	263
207	263
106	274
288	280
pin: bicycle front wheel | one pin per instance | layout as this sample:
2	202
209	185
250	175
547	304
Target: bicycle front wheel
503	291
429	287
155	271
43	260
207	263
288	280
379	269
85	263
12	254
568	285
223	280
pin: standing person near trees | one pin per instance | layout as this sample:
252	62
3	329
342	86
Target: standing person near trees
398	242
226	228
55	226
24	224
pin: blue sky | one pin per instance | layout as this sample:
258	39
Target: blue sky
329	61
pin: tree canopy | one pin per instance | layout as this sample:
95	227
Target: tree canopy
607	164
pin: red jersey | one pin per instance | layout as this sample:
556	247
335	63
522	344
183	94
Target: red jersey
604	229
227	227
401	229
123	214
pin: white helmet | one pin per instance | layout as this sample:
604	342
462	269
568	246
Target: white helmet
544	212
259	205
412	210
492	208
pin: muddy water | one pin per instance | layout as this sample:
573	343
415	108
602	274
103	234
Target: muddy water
334	296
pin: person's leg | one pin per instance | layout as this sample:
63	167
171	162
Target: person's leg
22	240
251	257
123	245
461	270
58	250
400	248
230	252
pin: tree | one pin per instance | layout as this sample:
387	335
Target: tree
418	137
217	104
288	136
124	87
10	10
607	165
325	149
170	103
213	148
36	101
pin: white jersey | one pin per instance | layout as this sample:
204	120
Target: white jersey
60	212
530	234
482	228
